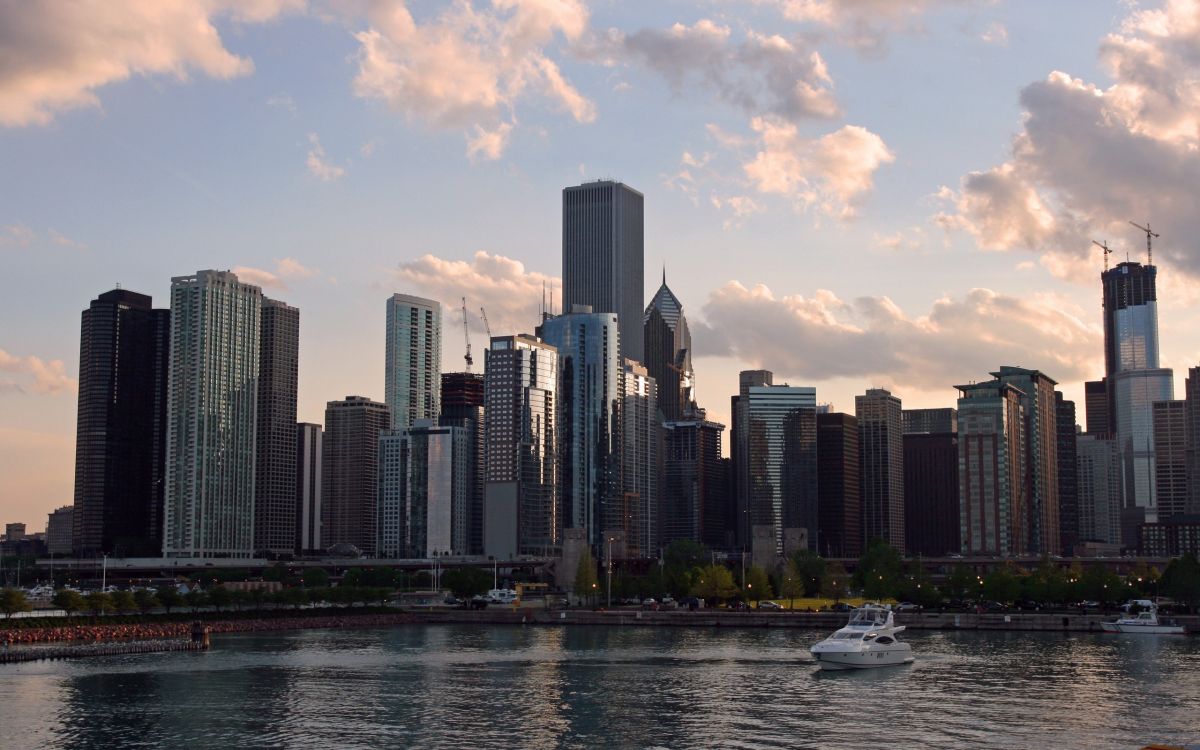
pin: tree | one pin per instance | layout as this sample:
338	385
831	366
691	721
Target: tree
195	598
13	601
99	602
791	585
585	575
836	583
1181	580
1002	585
878	572
961	584
123	601
145	600
810	567
257	596
276	573
465	583
68	600
315	578
1047	584
169	597
757	585
292	597
713	583
353	577
685	554
917	586
220	597
1101	584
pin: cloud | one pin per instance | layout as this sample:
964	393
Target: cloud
283	101
760	73
510	294
15	235
960	339
36	375
996	33
318	165
286	269
58	238
56	55
864	24
470	67
1088	159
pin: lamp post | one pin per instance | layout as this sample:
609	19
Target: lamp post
609	605
104	574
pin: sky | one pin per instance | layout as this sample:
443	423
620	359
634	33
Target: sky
850	193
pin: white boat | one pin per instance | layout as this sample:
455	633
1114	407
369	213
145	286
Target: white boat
1145	621
868	640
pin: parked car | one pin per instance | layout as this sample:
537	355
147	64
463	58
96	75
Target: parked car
841	607
691	602
769	605
649	602
668	601
908	607
479	602
630	601
738	605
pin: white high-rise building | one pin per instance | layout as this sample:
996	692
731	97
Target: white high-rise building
413	369
212	392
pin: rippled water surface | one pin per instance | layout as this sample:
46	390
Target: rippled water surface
464	686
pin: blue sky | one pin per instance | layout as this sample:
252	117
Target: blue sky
912	184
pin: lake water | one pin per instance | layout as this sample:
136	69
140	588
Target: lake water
583	687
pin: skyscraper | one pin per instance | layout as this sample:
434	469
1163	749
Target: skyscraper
932	523
520	506
881	452
1136	392
1100	495
1040	410
121	428
781	458
1170	458
739	466
929	421
1068	474
589	419
275	470
668	352
424	475
308	488
839	502
59	531
413	366
350	472
603	255
1191	410
462	406
212	409
1095	393
993	504
694	499
641	466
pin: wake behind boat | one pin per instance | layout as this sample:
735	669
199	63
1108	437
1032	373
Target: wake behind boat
868	640
1146	621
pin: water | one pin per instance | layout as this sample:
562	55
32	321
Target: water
583	687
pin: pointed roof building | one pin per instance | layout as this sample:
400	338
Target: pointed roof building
668	351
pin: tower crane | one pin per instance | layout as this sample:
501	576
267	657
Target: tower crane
1103	246
467	335
1149	236
486	327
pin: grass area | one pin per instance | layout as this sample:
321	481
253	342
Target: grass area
808	604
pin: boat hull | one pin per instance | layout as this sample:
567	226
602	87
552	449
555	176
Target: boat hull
1114	627
830	660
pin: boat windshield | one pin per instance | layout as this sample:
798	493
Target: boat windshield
867	618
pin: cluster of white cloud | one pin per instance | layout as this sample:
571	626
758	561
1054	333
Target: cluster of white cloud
863	24
319	165
19	235
286	270
470	66
1088	159
36	375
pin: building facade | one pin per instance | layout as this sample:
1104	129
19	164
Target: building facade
839	503
1191	410
932	523
993	506
521	513
881	458
1099	471
668	352
212	410
413	359
424	491
929	421
1170	458
602	255
636	515
694	501
1068	474
462	407
309	439
275	504
120	438
1095	393
1136	393
59	531
739	463
781	460
350	472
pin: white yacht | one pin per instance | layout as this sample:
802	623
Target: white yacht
1145	621
868	640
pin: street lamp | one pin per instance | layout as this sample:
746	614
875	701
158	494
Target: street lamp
610	541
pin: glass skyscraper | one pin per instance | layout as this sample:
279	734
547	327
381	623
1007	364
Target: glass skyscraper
781	455
424	483
413	359
992	494
638	508
668	352
881	456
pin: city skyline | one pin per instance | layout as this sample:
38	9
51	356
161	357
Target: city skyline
884	298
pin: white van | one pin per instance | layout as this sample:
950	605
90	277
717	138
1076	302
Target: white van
501	596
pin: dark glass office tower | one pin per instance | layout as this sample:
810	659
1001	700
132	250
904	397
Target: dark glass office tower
839	503
694	502
350	471
881	451
462	406
602	254
120	433
275	500
1068	474
668	352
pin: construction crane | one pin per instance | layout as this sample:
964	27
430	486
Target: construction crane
1103	246
1149	236
486	327
467	335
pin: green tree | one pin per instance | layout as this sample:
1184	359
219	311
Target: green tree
811	569
836	584
98	602
1047	584
585	575
465	583
220	597
879	571
13	601
757	585
315	578
961	584
1101	584
169	597
354	577
791	584
713	584
1181	580
1002	585
195	598
67	600
917	586
123	601
145	600
277	573
293	597
257	597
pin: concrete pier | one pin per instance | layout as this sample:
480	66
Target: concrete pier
15	654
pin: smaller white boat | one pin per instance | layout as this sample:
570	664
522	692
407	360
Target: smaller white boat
868	640
1145	621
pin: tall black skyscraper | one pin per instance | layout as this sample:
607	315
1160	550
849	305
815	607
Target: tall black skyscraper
1068	474
668	352
462	406
275	500
602	252
119	450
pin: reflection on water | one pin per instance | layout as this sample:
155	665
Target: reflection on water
458	686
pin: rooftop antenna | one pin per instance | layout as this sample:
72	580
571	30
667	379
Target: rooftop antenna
1149	236
467	335
1103	246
